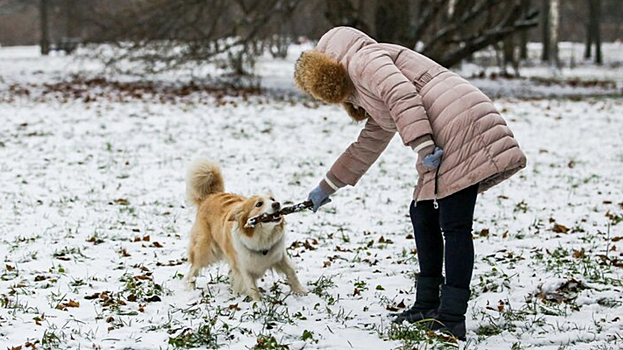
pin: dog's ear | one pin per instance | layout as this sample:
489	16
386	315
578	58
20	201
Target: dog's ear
236	213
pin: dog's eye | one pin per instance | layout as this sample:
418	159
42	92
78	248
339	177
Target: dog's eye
259	204
272	199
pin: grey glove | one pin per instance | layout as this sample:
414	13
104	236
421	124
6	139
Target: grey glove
433	160
319	198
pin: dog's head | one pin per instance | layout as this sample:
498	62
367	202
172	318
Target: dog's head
254	206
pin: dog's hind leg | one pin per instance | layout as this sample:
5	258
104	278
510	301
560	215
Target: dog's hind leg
286	267
202	252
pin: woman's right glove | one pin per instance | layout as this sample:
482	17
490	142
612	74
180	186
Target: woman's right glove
319	198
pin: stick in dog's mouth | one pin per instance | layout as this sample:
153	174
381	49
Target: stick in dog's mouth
274	217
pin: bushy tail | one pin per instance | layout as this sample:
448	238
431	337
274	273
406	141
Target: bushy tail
203	179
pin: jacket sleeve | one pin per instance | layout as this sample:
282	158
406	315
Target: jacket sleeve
360	155
381	77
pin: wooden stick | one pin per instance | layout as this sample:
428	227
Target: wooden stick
275	216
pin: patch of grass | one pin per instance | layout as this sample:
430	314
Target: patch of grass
418	336
506	318
141	288
205	336
51	340
9	273
269	342
272	309
321	286
495	280
563	262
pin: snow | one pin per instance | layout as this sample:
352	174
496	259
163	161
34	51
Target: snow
92	201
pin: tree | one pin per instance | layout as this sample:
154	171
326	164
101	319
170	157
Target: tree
593	31
545	30
523	39
554	27
167	34
447	31
45	32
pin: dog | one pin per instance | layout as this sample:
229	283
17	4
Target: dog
220	233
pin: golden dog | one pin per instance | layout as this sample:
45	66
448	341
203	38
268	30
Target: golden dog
219	233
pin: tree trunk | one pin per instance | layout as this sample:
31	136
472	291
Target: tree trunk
545	31
589	32
45	33
70	18
368	10
595	15
523	36
554	20
508	50
392	17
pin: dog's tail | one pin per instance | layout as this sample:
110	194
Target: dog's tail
203	179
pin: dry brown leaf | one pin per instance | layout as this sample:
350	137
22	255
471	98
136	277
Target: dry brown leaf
559	228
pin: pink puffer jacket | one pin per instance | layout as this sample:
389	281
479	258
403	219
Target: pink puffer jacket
403	91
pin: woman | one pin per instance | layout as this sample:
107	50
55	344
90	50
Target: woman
462	143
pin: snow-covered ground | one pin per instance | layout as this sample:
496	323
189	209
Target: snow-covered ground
94	228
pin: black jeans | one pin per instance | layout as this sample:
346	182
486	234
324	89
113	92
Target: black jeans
454	218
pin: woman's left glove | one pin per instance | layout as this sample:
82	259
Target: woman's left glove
319	198
433	160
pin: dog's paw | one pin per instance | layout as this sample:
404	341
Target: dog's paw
191	284
300	291
255	295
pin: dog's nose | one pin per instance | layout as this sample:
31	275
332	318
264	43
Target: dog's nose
276	205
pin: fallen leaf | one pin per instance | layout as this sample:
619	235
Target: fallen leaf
578	253
559	228
72	303
122	201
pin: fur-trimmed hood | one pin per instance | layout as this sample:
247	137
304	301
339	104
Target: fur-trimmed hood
323	71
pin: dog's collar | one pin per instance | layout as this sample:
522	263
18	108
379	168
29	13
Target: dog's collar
261	251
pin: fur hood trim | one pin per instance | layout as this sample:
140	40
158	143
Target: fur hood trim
322	76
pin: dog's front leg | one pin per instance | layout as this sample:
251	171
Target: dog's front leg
286	267
250	285
191	277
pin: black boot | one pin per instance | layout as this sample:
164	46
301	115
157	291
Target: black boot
426	300
450	317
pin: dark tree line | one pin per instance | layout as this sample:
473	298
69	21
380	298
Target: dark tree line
171	33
